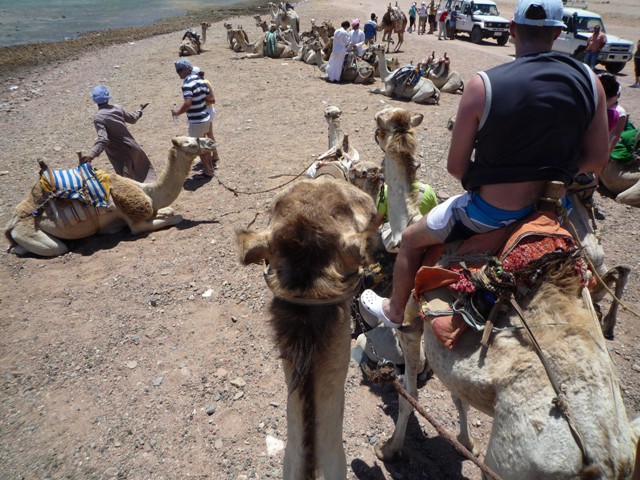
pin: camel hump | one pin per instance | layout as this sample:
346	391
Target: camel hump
130	199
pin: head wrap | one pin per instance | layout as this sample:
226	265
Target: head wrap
100	94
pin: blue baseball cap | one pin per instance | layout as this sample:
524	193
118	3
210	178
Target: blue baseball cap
183	64
539	13
100	94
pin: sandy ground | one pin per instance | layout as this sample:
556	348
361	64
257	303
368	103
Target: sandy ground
113	362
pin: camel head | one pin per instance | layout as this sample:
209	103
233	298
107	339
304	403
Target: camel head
227	25
319	235
367	176
394	132
192	146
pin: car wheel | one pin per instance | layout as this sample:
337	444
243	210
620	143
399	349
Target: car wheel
579	54
614	67
502	41
476	34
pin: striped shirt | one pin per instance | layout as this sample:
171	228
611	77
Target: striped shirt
193	87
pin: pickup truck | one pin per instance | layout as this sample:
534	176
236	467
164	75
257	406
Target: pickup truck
579	27
480	19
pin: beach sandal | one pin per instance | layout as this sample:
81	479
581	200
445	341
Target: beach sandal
372	303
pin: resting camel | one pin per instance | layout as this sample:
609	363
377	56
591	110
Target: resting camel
393	21
421	90
623	180
258	49
324	32
369	56
354	72
143	207
190	44
303	52
231	36
316	243
439	73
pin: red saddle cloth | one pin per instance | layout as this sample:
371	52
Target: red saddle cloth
516	246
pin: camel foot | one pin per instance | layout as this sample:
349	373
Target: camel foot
470	444
385	454
165	212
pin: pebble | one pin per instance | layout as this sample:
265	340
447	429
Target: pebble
210	410
207	294
238	382
238	395
274	445
132	364
158	381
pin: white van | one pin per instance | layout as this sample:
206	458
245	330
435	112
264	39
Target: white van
478	18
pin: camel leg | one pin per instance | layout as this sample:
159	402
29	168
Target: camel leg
154	224
631	196
30	239
464	437
410	339
617	276
425	98
165	212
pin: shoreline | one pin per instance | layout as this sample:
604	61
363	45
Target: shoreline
16	59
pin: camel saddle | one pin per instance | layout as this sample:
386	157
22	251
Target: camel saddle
83	184
475	272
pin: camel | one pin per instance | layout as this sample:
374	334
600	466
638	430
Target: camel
531	438
204	26
340	157
190	44
140	206
303	52
261	23
419	90
623	179
231	36
314	248
354	71
369	56
324	32
439	73
393	21
285	18
258	49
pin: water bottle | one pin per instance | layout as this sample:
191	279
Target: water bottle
174	117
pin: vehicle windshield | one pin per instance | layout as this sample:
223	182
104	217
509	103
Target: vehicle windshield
586	24
485	10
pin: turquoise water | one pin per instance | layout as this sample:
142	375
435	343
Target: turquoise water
31	21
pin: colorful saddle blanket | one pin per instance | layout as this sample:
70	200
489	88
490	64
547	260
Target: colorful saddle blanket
406	76
82	183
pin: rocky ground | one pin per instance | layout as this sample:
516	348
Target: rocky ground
150	356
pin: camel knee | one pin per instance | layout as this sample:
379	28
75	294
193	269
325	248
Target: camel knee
38	243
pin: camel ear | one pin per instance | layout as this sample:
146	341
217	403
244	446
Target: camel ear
416	119
254	246
175	142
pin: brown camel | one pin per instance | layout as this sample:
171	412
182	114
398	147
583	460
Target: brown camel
393	21
314	248
143	207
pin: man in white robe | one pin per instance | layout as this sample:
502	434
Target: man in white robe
341	42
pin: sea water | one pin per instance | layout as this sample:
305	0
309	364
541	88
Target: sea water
32	21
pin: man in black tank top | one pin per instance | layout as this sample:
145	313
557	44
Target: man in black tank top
541	117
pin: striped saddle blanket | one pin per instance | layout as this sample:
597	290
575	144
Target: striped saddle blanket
82	183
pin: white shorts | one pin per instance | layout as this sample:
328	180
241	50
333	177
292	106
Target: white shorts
199	130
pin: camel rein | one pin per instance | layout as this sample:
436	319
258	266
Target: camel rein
235	191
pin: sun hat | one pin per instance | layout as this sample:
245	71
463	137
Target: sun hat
182	64
539	13
100	94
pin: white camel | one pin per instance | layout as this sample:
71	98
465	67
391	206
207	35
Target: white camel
405	82
314	247
38	225
258	49
623	180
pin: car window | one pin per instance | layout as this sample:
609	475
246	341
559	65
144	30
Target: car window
586	24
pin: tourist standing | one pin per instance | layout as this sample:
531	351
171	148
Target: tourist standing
636	65
422	19
442	24
413	11
595	43
341	41
124	153
453	21
211	110
195	94
371	29
432	11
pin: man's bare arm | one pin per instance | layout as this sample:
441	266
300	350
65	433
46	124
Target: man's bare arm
464	133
